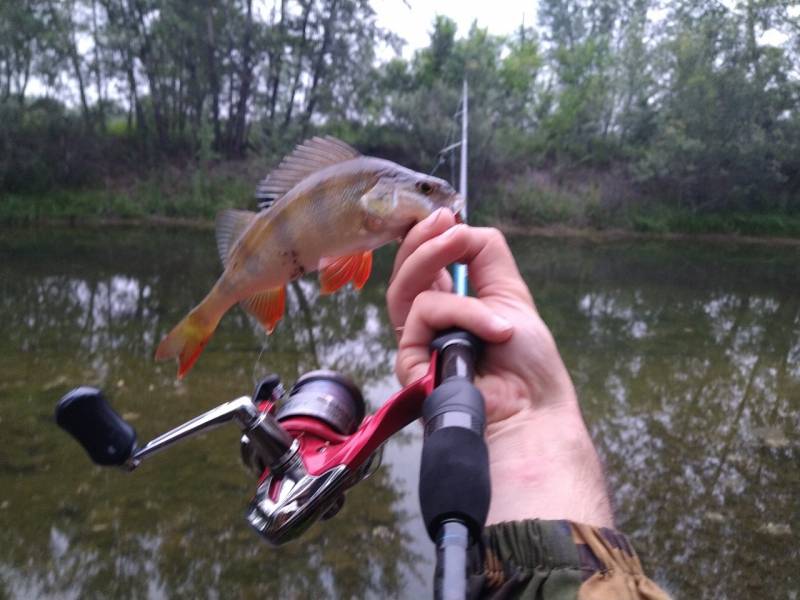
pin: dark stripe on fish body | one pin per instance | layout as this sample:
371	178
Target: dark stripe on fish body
283	239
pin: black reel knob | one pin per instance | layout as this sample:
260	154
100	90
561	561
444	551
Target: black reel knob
85	414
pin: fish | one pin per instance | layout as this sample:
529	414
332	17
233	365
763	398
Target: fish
327	207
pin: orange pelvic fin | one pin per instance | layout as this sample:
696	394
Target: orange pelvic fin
186	342
340	271
363	271
267	307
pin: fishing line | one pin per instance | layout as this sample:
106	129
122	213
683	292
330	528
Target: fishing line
253	376
448	150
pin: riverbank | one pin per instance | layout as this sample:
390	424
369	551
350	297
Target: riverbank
173	192
546	231
612	235
191	197
596	203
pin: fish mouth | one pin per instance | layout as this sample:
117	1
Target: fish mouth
457	207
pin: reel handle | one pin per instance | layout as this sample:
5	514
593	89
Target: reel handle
85	414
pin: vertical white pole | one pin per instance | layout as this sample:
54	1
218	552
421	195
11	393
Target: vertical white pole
460	270
462	183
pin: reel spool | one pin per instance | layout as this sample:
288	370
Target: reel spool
328	396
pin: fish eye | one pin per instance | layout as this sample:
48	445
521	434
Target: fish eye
425	187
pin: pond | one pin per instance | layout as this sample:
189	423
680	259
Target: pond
686	357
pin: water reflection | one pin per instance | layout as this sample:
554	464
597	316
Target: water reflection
686	363
686	357
92	310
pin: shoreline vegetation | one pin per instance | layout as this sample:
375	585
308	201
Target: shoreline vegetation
548	231
191	198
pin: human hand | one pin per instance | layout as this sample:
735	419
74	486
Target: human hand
543	463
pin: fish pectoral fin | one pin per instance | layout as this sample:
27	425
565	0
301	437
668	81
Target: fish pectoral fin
267	307
230	225
338	272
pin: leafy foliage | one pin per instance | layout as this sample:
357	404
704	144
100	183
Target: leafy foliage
603	109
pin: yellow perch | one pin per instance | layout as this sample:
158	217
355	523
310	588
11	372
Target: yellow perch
330	207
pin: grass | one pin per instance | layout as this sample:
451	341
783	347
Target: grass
663	219
194	193
522	203
199	193
526	202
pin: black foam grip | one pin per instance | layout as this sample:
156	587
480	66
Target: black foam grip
105	436
454	479
456	395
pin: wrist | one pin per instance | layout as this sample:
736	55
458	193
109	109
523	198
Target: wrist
544	465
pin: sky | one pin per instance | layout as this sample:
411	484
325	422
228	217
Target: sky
413	19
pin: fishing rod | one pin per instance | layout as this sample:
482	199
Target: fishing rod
454	485
307	447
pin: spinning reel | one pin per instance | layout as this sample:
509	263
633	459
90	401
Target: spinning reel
307	447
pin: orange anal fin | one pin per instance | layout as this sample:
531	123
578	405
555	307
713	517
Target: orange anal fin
267	307
363	271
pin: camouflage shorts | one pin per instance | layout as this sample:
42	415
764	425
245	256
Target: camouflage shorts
560	560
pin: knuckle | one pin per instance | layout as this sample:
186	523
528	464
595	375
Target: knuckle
404	365
391	291
495	236
391	294
497	244
423	302
399	364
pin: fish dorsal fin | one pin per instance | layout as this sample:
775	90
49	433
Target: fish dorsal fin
231	223
310	156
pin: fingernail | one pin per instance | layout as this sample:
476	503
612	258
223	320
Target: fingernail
450	232
501	324
435	216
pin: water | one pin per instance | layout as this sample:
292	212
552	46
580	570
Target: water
686	358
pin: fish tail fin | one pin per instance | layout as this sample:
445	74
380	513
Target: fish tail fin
187	340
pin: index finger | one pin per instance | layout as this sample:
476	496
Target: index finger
430	227
492	269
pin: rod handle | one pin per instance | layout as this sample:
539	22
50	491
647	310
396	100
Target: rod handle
458	351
